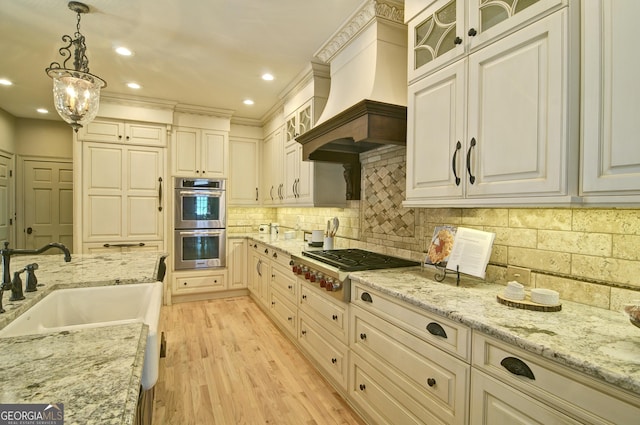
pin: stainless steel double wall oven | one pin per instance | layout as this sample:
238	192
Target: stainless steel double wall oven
200	223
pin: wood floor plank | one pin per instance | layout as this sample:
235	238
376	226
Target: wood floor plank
228	364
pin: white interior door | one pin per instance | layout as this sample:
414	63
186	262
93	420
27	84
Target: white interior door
48	203
6	200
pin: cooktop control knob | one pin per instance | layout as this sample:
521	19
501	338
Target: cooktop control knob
323	282
313	277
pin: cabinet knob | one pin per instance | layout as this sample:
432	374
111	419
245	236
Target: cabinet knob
273	303
334	360
184	283
289	318
363	336
362	387
431	382
303	332
289	287
457	41
275	255
266	250
472	32
304	297
334	317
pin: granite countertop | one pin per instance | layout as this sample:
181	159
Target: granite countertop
95	372
598	342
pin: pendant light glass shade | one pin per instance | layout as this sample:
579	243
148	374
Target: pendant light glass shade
76	92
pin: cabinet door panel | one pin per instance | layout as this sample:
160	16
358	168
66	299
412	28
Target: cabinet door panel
517	113
104	217
244	172
141	134
436	122
611	92
185	152
213	147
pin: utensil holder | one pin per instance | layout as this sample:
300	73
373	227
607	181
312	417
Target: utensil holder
328	243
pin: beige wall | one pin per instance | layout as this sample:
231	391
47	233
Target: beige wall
43	138
7	131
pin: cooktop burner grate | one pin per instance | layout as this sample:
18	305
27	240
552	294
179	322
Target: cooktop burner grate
351	260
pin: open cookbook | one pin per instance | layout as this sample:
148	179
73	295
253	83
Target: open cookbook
460	249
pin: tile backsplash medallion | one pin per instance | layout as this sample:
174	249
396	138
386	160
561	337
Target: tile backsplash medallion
588	255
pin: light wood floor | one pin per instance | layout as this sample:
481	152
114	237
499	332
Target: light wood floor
228	364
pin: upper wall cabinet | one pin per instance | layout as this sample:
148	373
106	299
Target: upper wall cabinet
112	131
438	34
610	91
299	122
244	171
199	153
499	126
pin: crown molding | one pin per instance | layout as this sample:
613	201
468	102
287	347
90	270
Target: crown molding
388	10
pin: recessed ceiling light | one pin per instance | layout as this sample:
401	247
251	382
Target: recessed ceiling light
133	85
123	51
42	111
5	82
267	77
248	102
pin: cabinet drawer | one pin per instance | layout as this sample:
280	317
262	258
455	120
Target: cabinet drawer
332	315
284	281
279	257
385	401
451	337
192	284
577	395
328	352
284	313
437	379
495	403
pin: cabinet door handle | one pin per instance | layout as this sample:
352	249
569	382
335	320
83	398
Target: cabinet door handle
437	330
122	245
453	163
366	297
271	192
472	32
159	193
457	41
517	367
472	178
259	267
256	193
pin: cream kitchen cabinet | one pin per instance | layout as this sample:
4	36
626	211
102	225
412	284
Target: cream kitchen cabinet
244	172
298	122
283	289
237	262
259	273
123	195
512	386
499	126
610	167
407	366
272	171
439	34
135	133
198	282
200	153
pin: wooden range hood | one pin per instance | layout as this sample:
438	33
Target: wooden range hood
341	139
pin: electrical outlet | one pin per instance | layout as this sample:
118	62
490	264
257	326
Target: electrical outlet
519	274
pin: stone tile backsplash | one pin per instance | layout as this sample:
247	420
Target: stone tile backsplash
589	255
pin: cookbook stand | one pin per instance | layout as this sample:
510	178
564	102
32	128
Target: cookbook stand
441	273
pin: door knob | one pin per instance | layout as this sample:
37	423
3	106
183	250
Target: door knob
29	230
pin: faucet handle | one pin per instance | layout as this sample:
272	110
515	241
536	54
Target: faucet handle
16	287
32	280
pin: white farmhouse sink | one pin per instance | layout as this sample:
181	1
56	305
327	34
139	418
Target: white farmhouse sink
78	308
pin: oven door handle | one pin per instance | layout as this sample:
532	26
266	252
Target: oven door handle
200	232
209	193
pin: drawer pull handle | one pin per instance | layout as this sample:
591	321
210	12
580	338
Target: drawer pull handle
334	360
437	330
334	317
431	382
363	336
362	387
517	367
366	297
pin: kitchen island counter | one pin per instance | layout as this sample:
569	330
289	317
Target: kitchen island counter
95	372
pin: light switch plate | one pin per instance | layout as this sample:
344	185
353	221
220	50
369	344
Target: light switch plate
519	274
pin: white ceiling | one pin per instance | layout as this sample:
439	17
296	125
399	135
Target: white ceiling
208	53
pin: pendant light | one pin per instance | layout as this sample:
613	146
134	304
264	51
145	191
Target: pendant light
76	92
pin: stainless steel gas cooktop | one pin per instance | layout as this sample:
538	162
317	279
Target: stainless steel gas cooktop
329	269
